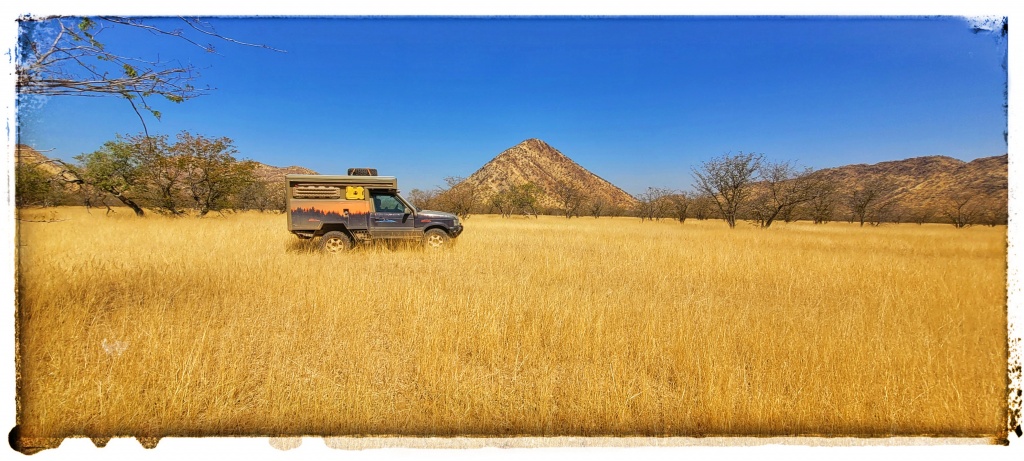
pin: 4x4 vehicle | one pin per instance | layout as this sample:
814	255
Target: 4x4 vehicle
345	210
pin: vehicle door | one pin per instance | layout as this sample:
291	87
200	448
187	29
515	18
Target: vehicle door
390	217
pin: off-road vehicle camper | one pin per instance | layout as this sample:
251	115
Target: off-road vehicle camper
361	206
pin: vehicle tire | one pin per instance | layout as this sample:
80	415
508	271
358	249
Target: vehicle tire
335	242
436	239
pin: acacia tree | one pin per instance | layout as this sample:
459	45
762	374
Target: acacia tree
822	205
920	214
782	188
502	202
211	172
652	204
701	206
595	207
165	174
517	198
679	203
959	210
525	198
569	198
727	180
261	195
994	215
869	201
119	169
461	197
423	199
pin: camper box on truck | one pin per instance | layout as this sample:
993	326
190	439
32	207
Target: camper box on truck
343	210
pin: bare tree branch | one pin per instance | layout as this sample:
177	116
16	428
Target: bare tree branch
64	57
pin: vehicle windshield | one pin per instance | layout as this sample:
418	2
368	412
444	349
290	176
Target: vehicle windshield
409	204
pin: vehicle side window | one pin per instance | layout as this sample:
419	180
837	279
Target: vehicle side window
387	203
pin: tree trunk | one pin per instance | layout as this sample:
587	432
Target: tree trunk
768	222
129	203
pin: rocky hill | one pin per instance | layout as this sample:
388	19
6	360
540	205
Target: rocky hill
276	174
930	182
534	161
27	156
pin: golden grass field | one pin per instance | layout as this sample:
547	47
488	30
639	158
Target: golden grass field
229	325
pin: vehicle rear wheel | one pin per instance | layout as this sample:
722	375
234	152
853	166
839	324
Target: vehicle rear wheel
335	242
436	238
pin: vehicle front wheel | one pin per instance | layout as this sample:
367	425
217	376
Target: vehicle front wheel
436	238
335	242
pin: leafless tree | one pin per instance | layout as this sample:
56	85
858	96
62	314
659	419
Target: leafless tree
822	207
960	210
595	206
869	201
701	206
261	195
65	56
569	197
423	199
679	204
882	212
993	216
921	214
727	180
896	213
651	204
461	197
781	189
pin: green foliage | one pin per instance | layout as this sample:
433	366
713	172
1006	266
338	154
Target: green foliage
193	172
517	199
86	24
212	174
117	167
35	187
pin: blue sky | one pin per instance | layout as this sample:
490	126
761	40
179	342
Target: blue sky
636	100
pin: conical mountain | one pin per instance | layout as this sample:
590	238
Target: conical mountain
534	161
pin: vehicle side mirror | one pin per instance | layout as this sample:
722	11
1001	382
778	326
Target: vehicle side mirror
408	210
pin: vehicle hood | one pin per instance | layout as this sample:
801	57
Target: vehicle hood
431	214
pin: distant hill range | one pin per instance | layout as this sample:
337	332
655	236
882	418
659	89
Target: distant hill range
534	161
25	155
276	173
915	183
929	182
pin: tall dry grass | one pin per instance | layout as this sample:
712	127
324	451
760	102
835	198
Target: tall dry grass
228	325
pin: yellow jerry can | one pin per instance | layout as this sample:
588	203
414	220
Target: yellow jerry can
354	192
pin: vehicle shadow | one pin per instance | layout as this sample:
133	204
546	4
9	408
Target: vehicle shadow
311	246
